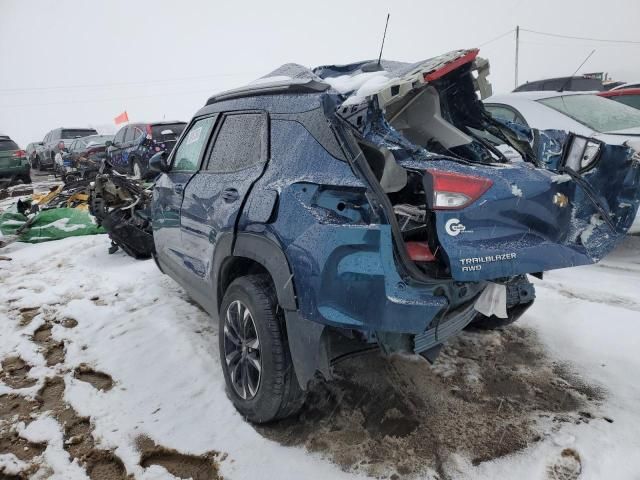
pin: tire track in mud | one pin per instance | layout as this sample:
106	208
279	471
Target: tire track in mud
100	464
487	396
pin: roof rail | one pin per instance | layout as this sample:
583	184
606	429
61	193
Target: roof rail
302	85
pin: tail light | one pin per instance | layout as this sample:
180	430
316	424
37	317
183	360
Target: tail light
149	134
452	191
420	252
19	154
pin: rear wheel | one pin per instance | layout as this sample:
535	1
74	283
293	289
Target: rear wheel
482	322
254	353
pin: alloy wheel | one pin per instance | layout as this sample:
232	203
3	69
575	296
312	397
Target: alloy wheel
242	350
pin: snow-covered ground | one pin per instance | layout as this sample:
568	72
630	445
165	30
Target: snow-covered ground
109	369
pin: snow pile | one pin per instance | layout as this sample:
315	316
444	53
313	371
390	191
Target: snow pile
516	191
362	84
139	327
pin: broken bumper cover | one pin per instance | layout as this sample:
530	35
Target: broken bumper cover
449	326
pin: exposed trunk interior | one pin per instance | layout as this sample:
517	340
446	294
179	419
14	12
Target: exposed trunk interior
405	191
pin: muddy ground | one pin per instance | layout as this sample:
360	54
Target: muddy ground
100	464
488	395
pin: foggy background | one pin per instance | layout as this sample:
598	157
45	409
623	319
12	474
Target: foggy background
80	63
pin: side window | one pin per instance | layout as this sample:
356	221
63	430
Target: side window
501	113
137	134
187	154
241	143
128	136
556	84
506	114
119	138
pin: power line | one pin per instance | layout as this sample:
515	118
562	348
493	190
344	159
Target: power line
98	100
123	84
581	38
496	38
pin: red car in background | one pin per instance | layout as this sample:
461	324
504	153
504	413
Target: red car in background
628	96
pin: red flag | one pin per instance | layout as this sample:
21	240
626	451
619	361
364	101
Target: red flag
122	118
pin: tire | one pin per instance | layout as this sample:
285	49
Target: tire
276	393
482	322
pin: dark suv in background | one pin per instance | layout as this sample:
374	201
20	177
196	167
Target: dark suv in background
56	141
135	144
14	165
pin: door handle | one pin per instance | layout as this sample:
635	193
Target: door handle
178	189
230	195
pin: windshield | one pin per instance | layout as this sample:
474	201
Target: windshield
68	134
7	145
597	113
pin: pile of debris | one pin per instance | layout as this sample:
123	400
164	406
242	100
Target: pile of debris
59	213
121	206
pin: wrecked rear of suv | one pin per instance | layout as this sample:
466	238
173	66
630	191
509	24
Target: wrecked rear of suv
381	210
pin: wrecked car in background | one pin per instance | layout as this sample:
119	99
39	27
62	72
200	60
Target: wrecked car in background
121	205
322	212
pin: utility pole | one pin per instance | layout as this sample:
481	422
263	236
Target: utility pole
517	53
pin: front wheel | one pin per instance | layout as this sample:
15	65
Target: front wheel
254	352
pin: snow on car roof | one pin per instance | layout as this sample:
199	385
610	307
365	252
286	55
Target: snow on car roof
356	80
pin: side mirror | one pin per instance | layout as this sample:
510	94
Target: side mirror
108	143
158	163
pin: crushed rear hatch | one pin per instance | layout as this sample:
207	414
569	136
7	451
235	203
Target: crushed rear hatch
561	201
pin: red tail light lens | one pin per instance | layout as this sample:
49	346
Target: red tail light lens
19	154
452	191
420	252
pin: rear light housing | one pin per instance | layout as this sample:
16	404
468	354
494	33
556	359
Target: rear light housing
149	133
19	154
420	252
453	191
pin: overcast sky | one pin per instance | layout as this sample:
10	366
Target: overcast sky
79	63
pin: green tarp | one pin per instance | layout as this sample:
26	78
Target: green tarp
52	224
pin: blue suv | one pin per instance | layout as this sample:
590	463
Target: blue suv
319	213
134	144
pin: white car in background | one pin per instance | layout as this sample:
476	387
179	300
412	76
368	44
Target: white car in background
582	113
